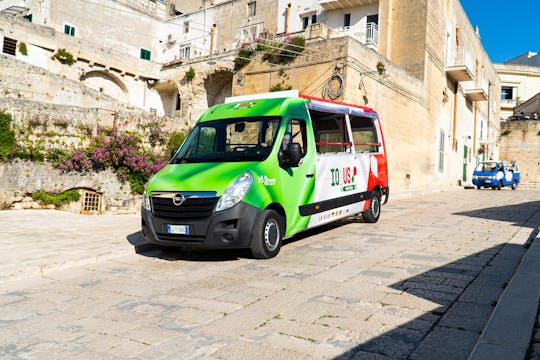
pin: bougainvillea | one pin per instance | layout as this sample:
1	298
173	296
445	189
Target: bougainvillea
120	151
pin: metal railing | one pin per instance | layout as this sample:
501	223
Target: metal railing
368	36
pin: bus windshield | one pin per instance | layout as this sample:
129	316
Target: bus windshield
237	139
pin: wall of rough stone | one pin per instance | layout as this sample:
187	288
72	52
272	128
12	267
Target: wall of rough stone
19	179
521	142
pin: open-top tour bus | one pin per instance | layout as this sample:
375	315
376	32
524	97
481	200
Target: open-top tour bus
261	168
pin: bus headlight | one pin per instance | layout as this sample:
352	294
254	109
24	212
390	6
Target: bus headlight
235	192
146	201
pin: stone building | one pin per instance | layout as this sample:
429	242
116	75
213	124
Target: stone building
520	82
520	112
438	99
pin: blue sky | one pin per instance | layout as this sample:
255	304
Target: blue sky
507	28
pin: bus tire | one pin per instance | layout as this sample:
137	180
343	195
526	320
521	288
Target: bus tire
372	214
267	236
514	185
499	185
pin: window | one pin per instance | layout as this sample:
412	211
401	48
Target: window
252	8
346	20
364	134
250	32
507	93
330	132
373	19
236	139
441	151
185	52
10	46
70	30
146	54
305	22
186	27
308	20
91	202
295	133
178	105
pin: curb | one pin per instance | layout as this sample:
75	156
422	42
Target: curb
508	332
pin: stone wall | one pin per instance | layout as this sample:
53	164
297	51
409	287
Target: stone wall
520	141
19	179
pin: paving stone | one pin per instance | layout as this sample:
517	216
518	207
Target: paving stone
397	343
445	343
487	295
467	316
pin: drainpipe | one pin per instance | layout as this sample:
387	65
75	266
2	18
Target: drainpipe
455	116
475	109
287	13
212	38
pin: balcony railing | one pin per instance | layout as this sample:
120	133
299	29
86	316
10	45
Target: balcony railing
368	36
460	67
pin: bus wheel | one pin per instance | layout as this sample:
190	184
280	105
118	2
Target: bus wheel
499	185
371	215
267	237
514	185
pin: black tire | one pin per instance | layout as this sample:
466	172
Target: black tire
499	185
514	185
478	187
268	235
372	214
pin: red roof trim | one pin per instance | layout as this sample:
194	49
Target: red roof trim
365	108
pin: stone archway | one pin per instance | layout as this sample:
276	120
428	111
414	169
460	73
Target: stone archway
218	86
105	82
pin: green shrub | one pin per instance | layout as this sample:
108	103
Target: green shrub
243	58
65	197
64	56
137	181
280	87
22	48
7	136
190	74
176	139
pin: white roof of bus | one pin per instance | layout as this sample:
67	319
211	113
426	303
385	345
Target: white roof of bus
313	104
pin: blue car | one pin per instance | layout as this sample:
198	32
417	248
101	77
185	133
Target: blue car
495	175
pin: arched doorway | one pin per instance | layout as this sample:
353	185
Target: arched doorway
218	86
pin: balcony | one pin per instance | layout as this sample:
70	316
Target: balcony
345	4
368	36
461	67
476	90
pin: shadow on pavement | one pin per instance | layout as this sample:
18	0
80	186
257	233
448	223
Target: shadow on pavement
143	248
509	213
465	291
464	294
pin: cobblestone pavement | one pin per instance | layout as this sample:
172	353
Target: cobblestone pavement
420	284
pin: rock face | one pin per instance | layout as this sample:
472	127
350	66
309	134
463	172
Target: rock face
19	179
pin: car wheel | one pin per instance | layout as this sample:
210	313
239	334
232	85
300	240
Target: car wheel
514	185
372	214
267	237
499	185
478	187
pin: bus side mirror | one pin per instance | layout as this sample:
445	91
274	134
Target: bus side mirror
294	152
291	156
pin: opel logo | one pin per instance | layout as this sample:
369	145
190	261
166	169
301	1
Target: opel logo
178	199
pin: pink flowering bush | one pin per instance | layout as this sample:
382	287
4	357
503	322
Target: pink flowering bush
120	151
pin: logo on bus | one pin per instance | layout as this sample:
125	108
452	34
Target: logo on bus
343	176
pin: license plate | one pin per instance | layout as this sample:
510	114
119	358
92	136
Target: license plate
178	229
